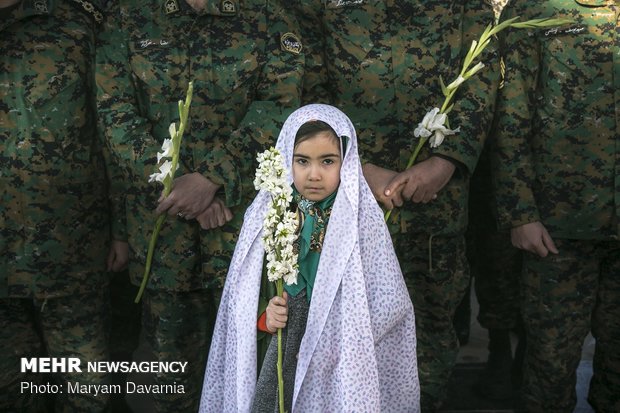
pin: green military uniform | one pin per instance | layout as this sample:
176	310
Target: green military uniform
54	225
495	265
558	163
380	63
246	62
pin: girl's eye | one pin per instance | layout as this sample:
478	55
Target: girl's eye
301	161
328	161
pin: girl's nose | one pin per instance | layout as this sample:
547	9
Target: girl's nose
314	174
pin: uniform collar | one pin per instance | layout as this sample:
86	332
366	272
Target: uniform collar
212	8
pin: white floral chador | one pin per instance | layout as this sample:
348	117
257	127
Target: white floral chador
358	353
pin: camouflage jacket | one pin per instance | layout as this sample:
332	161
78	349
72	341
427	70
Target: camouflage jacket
54	224
558	157
380	62
246	63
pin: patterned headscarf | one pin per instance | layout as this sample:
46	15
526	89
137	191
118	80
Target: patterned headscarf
359	349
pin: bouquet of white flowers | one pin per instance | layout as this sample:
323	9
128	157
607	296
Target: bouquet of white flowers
279	234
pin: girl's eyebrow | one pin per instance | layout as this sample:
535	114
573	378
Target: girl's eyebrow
328	155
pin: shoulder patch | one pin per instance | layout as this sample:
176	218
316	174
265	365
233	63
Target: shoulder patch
90	8
228	7
40	6
171	6
290	43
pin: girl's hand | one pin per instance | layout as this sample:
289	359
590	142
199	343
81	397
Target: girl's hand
277	313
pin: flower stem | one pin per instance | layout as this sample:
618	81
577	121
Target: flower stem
149	256
280	291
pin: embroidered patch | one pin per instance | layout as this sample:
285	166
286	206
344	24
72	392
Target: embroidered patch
40	6
171	6
572	30
290	43
151	43
228	7
334	4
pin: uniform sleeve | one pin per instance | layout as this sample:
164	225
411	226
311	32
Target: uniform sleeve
277	95
513	172
115	181
475	100
127	134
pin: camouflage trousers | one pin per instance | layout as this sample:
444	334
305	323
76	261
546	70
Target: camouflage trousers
565	296
496	268
437	276
178	327
71	326
495	264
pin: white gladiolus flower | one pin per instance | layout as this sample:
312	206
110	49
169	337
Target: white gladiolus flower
433	126
166	148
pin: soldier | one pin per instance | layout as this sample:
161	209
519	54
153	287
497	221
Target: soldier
380	63
54	224
246	62
496	266
558	185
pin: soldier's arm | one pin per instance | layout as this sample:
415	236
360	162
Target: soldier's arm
475	100
118	254
513	172
276	96
127	134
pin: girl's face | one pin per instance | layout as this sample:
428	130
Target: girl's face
316	166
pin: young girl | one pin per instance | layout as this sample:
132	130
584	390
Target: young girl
348	322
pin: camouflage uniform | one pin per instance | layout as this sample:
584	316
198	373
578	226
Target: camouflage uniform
495	263
558	164
54	225
246	63
380	63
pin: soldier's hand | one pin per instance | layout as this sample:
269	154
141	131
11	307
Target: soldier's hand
118	256
191	194
533	237
216	215
422	181
377	179
277	313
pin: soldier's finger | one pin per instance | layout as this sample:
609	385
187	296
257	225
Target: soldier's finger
165	204
221	219
540	249
409	190
548	242
395	185
229	214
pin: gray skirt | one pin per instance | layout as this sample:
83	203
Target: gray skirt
266	395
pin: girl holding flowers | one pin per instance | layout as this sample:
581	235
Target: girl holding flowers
348	333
